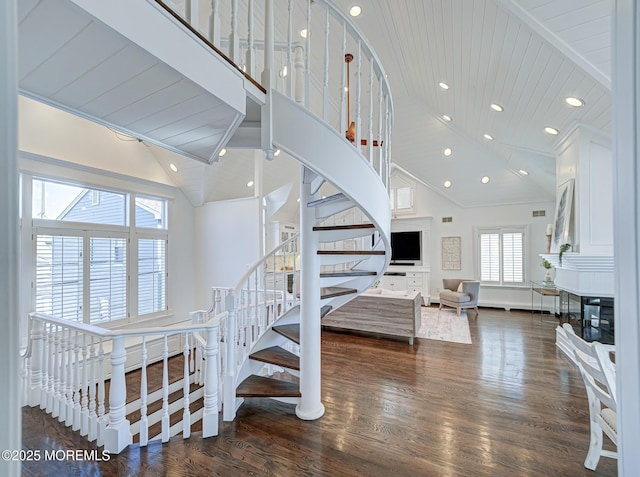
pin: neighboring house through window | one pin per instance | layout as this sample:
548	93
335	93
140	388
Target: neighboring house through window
86	248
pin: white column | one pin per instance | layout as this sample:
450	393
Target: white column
117	435
230	343
10	399
626	127
267	81
310	406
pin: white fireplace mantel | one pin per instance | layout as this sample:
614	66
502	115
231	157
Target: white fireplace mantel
584	275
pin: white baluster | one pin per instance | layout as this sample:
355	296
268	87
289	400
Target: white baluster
25	374
46	358
55	411
93	417
117	435
343	84
144	422
250	48
325	92
388	141
165	391
211	386
307	64
370	128
84	408
76	386
62	405
68	421
191	11
380	138
51	387
290	49
234	38
229	386
357	141
186	413
214	24
35	362
102	419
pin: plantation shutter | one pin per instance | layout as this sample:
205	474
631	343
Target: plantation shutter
59	280
151	275
107	279
490	257
513	257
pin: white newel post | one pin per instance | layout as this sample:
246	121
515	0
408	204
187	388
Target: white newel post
310	406
117	435
230	343
210	415
37	343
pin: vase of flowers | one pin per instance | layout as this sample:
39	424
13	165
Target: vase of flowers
548	279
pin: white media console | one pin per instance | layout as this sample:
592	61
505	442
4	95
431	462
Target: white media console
405	277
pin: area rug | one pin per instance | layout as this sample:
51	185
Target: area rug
444	325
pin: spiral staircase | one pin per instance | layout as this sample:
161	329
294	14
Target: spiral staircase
140	76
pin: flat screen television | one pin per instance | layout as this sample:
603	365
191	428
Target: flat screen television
406	246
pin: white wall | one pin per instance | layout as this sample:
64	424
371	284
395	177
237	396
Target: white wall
430	204
227	243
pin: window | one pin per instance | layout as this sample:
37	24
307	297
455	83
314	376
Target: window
151	275
86	254
401	199
501	256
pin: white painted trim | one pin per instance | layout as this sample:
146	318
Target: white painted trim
10	362
626	227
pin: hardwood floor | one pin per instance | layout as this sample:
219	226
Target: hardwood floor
510	404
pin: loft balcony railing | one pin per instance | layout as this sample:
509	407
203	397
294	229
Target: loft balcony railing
300	48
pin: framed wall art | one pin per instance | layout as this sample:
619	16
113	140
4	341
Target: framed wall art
451	253
564	211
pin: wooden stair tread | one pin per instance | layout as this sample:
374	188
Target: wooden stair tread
326	200
291	332
349	273
343	227
260	386
330	292
278	356
351	252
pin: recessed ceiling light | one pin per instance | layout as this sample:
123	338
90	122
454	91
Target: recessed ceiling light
550	130
497	107
173	167
485	179
443	85
447	184
355	10
575	102
523	172
250	184
222	152
277	153
304	33
447	151
446	117
488	137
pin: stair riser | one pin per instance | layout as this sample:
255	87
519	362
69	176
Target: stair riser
327	210
326	236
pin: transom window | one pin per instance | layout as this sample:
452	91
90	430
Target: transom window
93	264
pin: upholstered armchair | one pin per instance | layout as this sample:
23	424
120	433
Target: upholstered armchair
459	294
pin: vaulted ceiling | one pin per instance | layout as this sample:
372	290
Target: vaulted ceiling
524	55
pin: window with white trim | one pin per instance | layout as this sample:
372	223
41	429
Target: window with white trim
401	199
501	256
85	252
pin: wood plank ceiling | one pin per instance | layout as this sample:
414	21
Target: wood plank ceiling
487	53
